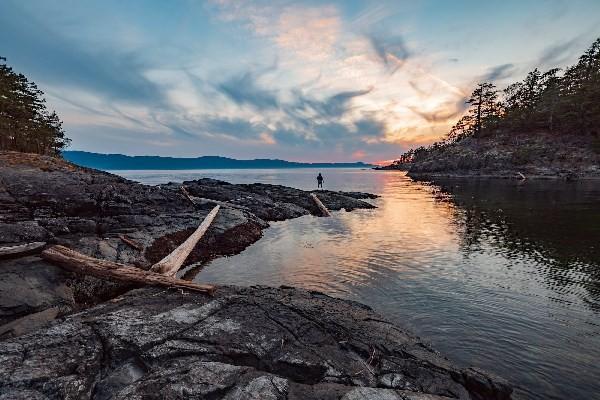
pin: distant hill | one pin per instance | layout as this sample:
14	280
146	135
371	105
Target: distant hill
120	161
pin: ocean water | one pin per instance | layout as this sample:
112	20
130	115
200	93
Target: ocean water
502	275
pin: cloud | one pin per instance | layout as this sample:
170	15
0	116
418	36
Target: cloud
333	106
237	128
244	90
391	51
311	33
48	56
359	155
498	72
370	127
558	53
338	104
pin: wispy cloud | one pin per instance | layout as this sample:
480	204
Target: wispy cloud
558	53
245	90
391	51
350	80
498	72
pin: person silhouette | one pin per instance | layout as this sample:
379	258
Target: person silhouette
320	181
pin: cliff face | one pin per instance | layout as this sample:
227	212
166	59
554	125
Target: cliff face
505	155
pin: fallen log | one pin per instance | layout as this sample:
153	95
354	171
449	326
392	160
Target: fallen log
172	263
201	200
187	195
21	249
131	243
82	264
324	211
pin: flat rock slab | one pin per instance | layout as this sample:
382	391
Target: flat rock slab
243	343
273	202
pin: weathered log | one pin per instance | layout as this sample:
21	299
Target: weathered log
523	177
187	195
131	243
82	264
201	201
171	263
324	211
21	249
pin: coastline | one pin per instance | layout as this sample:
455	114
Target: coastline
506	175
124	341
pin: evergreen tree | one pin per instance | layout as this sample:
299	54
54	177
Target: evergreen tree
485	109
26	124
563	105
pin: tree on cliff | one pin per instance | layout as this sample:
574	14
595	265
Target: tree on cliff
484	112
484	107
26	124
580	93
567	104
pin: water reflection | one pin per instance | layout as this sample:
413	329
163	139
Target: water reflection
497	274
556	225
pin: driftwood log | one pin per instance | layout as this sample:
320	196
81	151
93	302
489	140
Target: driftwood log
324	211
83	264
172	263
21	249
201	201
187	195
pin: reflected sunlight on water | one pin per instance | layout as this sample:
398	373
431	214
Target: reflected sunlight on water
496	274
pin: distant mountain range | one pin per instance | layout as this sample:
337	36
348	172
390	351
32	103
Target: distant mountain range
120	161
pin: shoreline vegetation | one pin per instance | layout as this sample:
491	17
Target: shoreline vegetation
67	335
546	126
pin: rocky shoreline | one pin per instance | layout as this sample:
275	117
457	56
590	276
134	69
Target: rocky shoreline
508	155
72	337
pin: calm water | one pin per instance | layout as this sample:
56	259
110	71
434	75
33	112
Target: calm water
496	274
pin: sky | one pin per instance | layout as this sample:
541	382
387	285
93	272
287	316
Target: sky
297	80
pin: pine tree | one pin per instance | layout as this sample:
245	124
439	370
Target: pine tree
26	124
485	108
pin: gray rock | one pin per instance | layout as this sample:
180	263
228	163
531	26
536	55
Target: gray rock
243	343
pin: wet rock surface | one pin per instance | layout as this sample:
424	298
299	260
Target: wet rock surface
243	343
50	200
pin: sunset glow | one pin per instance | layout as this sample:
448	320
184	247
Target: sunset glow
306	81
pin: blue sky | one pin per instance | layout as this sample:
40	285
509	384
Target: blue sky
308	81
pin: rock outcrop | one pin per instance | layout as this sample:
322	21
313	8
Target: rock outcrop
508	155
243	343
50	200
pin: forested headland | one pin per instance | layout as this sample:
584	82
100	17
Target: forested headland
547	124
26	124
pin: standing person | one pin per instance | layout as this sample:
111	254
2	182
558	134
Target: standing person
320	181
